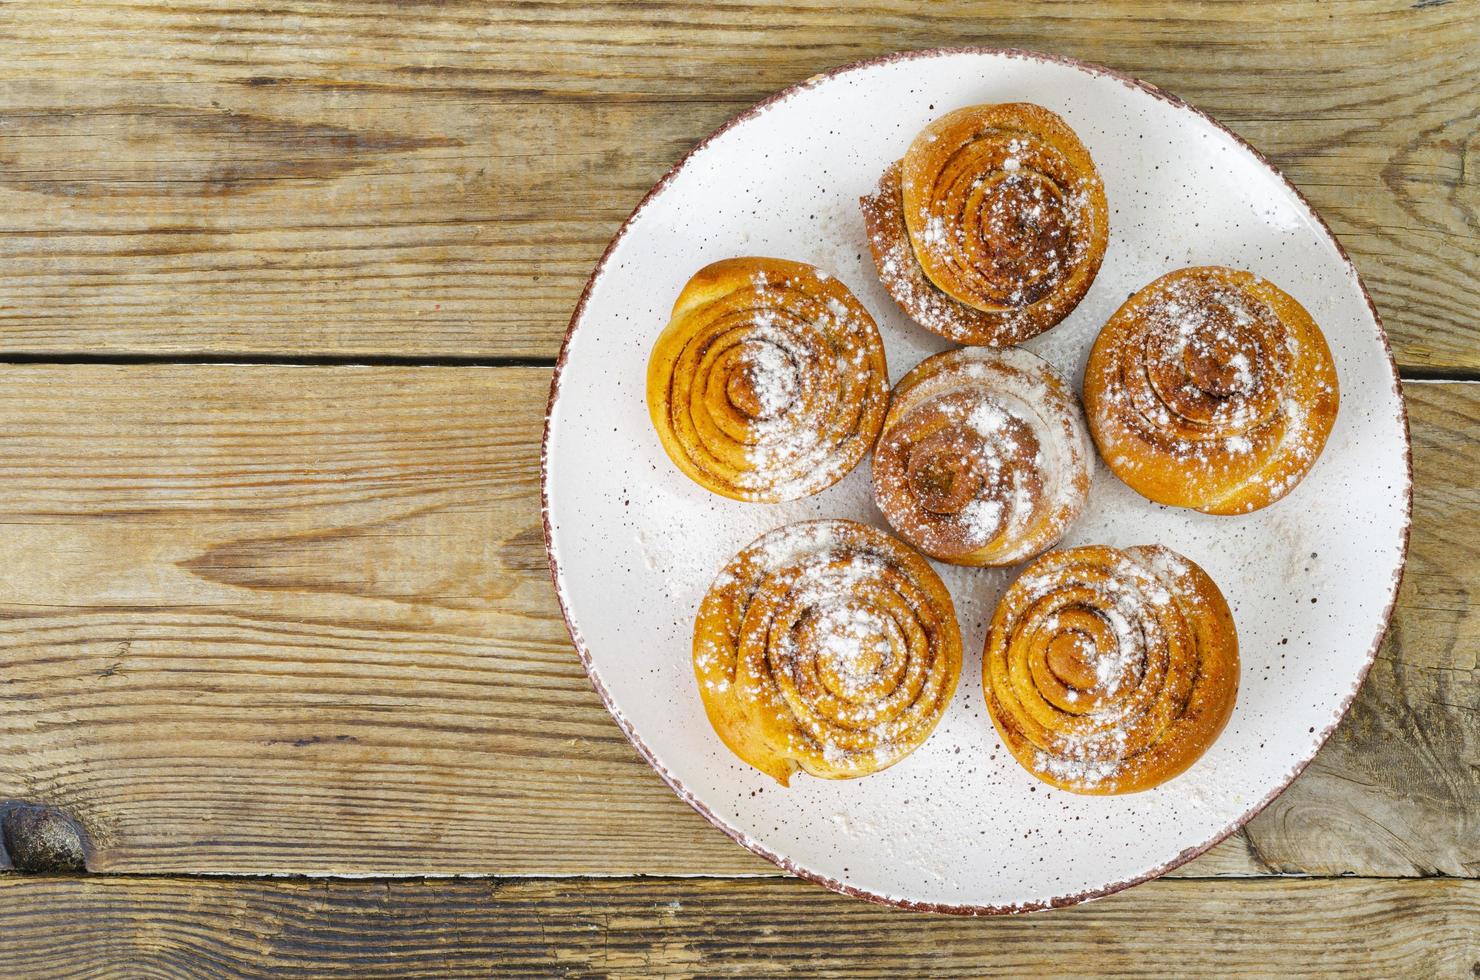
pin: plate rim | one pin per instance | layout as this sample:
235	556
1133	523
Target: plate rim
739	836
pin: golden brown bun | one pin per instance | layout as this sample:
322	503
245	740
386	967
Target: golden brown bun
826	646
1212	389
1110	671
984	458
992	227
769	382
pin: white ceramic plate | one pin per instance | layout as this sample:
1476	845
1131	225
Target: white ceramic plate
958	826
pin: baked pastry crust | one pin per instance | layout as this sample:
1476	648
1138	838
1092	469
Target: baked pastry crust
827	647
769	382
984	458
1110	671
1211	388
993	226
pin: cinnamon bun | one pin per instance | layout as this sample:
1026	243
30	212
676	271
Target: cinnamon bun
1110	671
992	227
769	382
826	647
1213	389
984	458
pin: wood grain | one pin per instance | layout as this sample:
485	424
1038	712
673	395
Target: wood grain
437	179
297	619
102	927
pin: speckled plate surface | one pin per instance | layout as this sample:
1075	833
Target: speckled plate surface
958	826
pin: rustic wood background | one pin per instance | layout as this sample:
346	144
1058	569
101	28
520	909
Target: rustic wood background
280	289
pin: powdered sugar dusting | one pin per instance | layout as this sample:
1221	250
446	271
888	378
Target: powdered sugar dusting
1003	231
1109	630
900	272
984	459
773	374
801	638
780	385
1202	373
792	452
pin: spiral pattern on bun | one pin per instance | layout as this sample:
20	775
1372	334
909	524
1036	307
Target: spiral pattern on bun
1110	671
769	382
992	227
984	458
1213	389
826	647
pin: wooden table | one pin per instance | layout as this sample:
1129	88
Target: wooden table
280	288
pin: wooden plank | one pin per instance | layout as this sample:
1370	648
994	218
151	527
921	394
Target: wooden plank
324	178
268	619
284	618
66	927
171	218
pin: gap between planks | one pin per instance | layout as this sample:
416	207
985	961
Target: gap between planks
496	878
1408	373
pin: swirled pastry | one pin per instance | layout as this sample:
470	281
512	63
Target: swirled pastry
992	227
769	382
1110	671
984	458
826	646
1212	389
